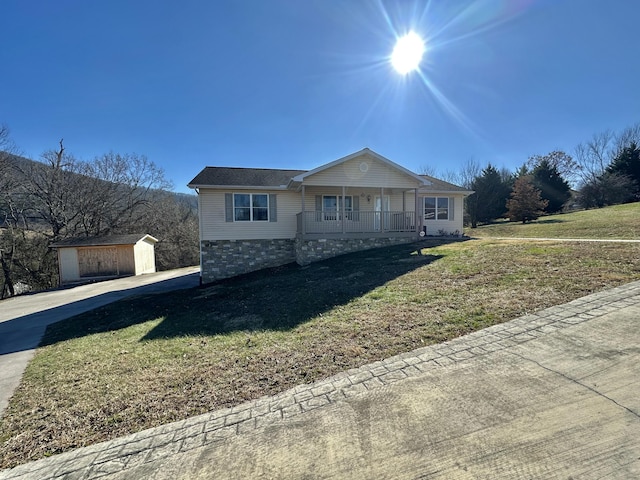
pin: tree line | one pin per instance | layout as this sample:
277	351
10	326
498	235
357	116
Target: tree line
605	170
60	196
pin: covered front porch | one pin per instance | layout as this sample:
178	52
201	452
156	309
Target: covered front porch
347	212
323	224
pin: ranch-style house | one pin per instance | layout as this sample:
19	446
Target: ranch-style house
255	218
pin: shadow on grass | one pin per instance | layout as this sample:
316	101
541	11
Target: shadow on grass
549	221
273	299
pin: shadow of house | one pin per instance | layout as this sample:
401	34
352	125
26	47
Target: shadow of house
280	298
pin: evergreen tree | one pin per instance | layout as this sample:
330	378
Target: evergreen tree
526	203
552	186
489	200
627	163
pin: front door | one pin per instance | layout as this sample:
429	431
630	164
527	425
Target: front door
381	205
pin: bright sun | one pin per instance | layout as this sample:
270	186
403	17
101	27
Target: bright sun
407	53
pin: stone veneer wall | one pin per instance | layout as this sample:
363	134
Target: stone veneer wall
228	258
309	251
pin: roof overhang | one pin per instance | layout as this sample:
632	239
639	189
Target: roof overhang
238	187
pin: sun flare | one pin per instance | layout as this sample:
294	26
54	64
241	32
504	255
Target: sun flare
407	54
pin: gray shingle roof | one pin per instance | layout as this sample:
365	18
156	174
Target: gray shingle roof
127	239
440	185
246	177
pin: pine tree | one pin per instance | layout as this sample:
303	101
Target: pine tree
552	186
627	164
525	203
491	193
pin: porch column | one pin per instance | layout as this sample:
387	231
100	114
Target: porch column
304	216
382	209
344	210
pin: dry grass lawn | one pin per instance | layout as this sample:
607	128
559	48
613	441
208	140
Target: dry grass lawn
150	360
619	221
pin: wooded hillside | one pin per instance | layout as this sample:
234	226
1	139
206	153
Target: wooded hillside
59	197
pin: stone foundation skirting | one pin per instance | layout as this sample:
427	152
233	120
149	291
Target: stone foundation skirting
309	251
228	258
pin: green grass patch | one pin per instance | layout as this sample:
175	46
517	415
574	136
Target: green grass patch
616	222
150	360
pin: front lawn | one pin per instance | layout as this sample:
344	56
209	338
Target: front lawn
150	360
619	221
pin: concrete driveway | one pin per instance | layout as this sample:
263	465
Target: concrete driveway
24	319
552	395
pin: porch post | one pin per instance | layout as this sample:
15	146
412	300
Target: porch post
344	210
304	216
382	209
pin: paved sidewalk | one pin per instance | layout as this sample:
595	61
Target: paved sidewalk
24	319
550	395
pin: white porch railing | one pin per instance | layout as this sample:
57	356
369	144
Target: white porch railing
333	222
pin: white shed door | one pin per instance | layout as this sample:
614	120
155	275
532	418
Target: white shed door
98	262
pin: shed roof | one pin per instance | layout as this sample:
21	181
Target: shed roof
103	241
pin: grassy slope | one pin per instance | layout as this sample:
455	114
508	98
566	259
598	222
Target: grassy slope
154	359
620	221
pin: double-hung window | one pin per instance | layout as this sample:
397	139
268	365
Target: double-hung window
333	208
251	207
436	208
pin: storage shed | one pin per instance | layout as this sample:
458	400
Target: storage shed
111	256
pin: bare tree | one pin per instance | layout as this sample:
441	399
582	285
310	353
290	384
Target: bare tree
429	170
173	219
564	164
116	191
7	211
628	136
468	172
598	185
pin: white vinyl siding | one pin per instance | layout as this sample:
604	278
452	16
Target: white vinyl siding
214	225
366	198
374	174
456	213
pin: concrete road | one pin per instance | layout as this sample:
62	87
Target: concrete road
24	319
553	395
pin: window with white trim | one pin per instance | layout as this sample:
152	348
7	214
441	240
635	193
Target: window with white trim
250	207
332	206
436	208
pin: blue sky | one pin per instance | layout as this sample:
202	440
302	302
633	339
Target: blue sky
298	83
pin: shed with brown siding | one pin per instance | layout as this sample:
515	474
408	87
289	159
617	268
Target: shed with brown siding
111	256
